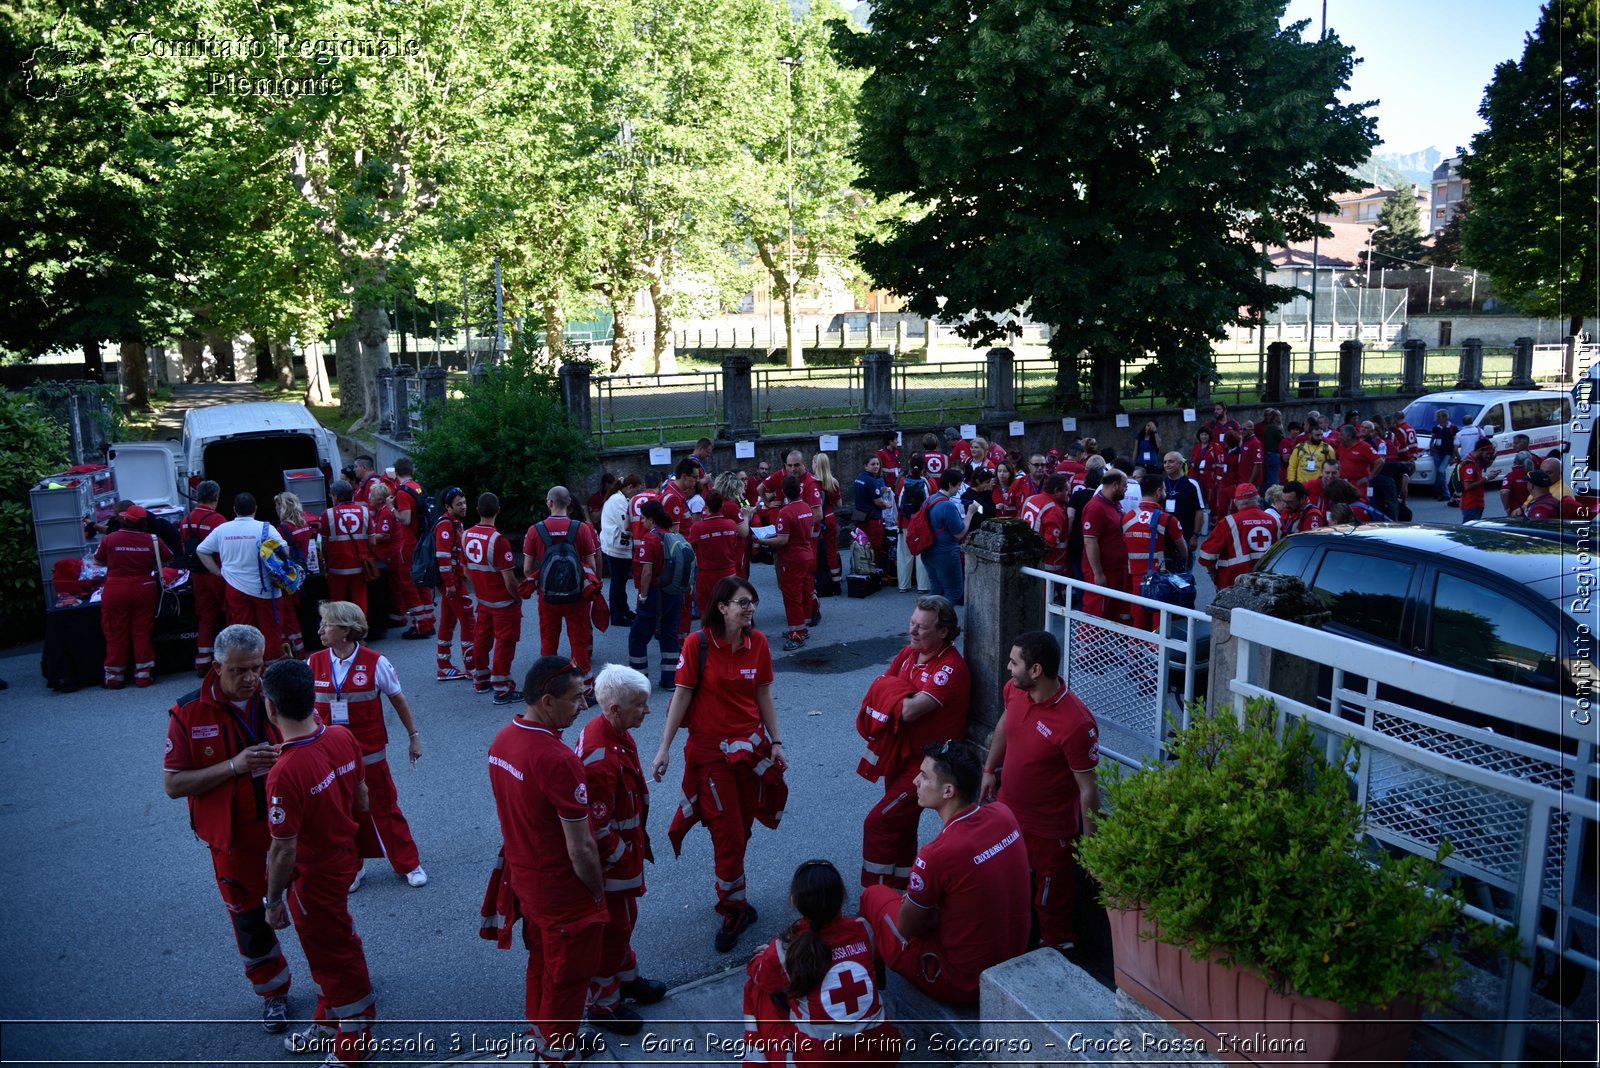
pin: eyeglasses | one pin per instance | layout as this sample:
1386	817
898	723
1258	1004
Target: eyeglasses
745	602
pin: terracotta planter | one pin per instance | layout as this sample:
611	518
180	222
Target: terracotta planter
1240	1017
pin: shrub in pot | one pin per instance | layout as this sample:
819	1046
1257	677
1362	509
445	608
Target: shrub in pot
1245	855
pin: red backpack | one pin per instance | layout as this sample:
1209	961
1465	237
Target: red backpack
919	532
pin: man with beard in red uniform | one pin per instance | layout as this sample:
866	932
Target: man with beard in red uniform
314	792
492	569
349	544
619	810
1043	757
1239	539
938	710
210	592
454	604
965	908
1298	512
552	864
1357	459
220	746
1046	513
543	537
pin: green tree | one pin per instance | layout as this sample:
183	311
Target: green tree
1446	249
1398	241
34	446
1112	166
1534	224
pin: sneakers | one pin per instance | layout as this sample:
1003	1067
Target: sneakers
412	634
794	640
644	991
510	697
275	1015
816	618
450	674
618	1019
312	1040
417	877
355	884
733	926
485	688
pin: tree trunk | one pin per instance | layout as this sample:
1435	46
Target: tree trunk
94	367
283	365
135	379
791	329
193	353
1105	381
554	326
1069	394
372	331
222	354
318	392
621	334
347	368
262	344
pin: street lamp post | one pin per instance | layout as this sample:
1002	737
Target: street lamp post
1361	299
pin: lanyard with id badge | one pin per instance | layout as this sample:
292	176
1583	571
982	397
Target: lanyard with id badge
338	706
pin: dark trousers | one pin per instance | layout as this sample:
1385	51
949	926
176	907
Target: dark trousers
618	595
657	617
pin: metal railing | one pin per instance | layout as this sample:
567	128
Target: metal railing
1520	817
807	398
655	404
940	392
1138	683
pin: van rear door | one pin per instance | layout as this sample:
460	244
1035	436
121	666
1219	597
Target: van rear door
147	474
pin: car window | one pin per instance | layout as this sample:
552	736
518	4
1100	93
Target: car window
1493	416
1364	593
1479	630
1290	560
1540	412
1420	413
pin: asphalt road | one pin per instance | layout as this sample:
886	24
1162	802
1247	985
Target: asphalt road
116	947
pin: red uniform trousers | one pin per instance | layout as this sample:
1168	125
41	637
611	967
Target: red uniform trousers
1053	883
495	646
618	963
580	631
319	906
830	545
261	613
1143	618
419	600
289	622
563	955
704	583
454	607
128	617
889	833
728	795
394	833
352	588
404	599
1097	604
211	614
797	581
920	959
242	880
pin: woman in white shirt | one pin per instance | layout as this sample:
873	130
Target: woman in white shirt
616	547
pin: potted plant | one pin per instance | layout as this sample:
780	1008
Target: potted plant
1246	909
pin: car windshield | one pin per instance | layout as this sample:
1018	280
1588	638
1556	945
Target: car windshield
1420	413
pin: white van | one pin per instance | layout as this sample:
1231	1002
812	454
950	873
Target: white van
1541	414
263	447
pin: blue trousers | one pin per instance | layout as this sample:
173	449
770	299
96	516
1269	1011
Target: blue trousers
944	573
657	618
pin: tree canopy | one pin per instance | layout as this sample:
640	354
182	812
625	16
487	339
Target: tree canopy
1398	242
1534	225
1110	166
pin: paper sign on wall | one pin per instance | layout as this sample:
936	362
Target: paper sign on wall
897	440
1069	424
1016	428
828	443
1188	415
969	430
660	457
1122	420
744	450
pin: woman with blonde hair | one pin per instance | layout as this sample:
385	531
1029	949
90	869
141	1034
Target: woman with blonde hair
389	547
732	489
822	468
302	532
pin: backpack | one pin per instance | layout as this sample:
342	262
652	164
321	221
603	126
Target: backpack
277	567
919	532
1454	486
677	568
560	570
908	507
424	564
424	509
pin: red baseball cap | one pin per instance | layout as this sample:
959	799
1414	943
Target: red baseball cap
1244	492
134	511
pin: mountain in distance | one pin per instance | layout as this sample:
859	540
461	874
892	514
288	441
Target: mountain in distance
1417	167
860	11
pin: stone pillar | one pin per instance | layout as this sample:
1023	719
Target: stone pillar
1522	365
877	388
1416	359
1278	354
1569	356
1350	368
404	384
477	370
575	394
385	400
738	399
1002	603
999	392
1471	375
900	337
433	379
1282	596
872	335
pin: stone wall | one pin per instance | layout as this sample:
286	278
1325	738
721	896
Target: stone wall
1493	330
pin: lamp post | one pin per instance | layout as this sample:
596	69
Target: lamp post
792	343
1361	299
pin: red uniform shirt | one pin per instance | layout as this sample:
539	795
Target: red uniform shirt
649	550
933	464
1046	745
387	528
810	489
961	452
1357	461
1250	460
1102	520
356	685
201	521
131	554
311	796
1546	507
488	553
1048	517
583	538
1471	471
796	520
1022	487
206	729
348	527
677	506
975	872
1237	542
889	461
1136	537
619	804
724	704
1309	517
538	785
717	545
946	680
637	523
1409	449
447	551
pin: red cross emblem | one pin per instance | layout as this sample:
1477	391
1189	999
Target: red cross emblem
847	991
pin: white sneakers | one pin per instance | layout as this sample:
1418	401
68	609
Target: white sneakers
355	884
417	877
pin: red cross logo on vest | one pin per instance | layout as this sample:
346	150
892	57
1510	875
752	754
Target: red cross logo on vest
349	521
847	991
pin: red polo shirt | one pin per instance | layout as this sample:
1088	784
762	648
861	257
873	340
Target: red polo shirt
946	680
724	704
677	506
716	542
796	519
810	488
583	540
538	785
311	796
1048	517
1046	743
1102	521
1471	470
1356	462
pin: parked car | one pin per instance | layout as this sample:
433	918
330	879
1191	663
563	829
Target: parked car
263	447
1543	415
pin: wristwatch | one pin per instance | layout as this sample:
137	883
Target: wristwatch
270	904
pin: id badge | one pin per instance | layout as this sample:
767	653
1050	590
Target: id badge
1311	465
1172	505
1369	490
339	711
1202	465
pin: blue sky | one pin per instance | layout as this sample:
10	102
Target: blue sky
1426	61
